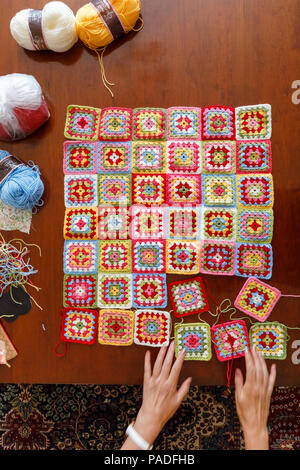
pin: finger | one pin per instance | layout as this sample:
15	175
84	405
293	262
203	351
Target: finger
177	366
259	376
167	364
263	368
250	371
147	367
183	390
159	360
272	379
238	381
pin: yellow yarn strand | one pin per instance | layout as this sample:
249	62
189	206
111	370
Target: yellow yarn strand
105	82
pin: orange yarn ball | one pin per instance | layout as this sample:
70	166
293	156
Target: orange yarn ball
92	30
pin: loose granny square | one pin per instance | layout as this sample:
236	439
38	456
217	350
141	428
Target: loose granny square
80	257
115	290
254	156
217	258
195	339
149	290
148	222
80	190
183	222
218	190
79	325
115	124
253	122
218	223
82	122
270	338
230	339
148	157
80	290
152	328
183	189
148	190
184	123
257	299
114	157
114	190
218	123
80	157
218	157
182	256
255	191
254	260
255	225
149	124
81	223
149	256
113	223
184	157
116	327
188	297
115	256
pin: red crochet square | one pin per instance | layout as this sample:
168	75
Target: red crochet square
188	297
79	325
230	339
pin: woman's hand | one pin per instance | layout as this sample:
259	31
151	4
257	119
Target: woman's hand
160	395
253	399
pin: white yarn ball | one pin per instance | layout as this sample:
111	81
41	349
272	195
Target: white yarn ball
59	28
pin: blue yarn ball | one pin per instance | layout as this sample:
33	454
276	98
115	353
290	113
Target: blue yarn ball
23	188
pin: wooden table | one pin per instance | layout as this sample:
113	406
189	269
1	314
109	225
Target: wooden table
193	53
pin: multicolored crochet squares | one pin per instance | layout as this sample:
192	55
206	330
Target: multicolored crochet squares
79	325
218	224
217	258
253	122
80	157
115	290
183	189
80	257
270	339
115	124
152	328
257	299
184	157
116	327
149	256
80	190
81	223
80	290
149	290
148	190
183	222
113	223
230	339
218	190
254	260
255	191
114	157
82	122
254	156
114	190
218	123
148	222
184	123
255	225
148	157
182	256
149	124
195	339
115	256
218	157
188	297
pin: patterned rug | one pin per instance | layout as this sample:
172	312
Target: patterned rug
94	417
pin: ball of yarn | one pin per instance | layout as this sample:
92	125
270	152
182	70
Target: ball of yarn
58	26
92	30
23	108
23	187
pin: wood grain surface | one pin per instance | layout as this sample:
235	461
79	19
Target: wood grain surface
193	53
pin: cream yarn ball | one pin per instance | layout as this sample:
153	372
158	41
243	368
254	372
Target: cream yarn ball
58	25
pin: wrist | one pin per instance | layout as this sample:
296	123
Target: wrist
256	439
147	426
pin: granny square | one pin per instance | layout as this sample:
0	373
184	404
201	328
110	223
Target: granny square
114	157
195	339
184	157
82	122
149	256
149	124
270	339
80	290
149	290
217	258
80	157
218	157
230	339
79	325
218	190
152	328
115	290
80	257
115	124
254	156
80	223
148	157
116	327
115	256
253	122
255	191
148	190
254	260
218	123
182	256
183	189
257	299
113	223
184	123
184	222
188	297
255	225
81	190
148	222
218	223
114	190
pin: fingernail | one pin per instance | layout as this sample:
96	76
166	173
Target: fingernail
182	352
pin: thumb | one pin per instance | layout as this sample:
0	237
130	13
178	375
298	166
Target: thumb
238	381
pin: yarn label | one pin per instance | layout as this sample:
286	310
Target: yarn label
110	17
7	165
36	29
